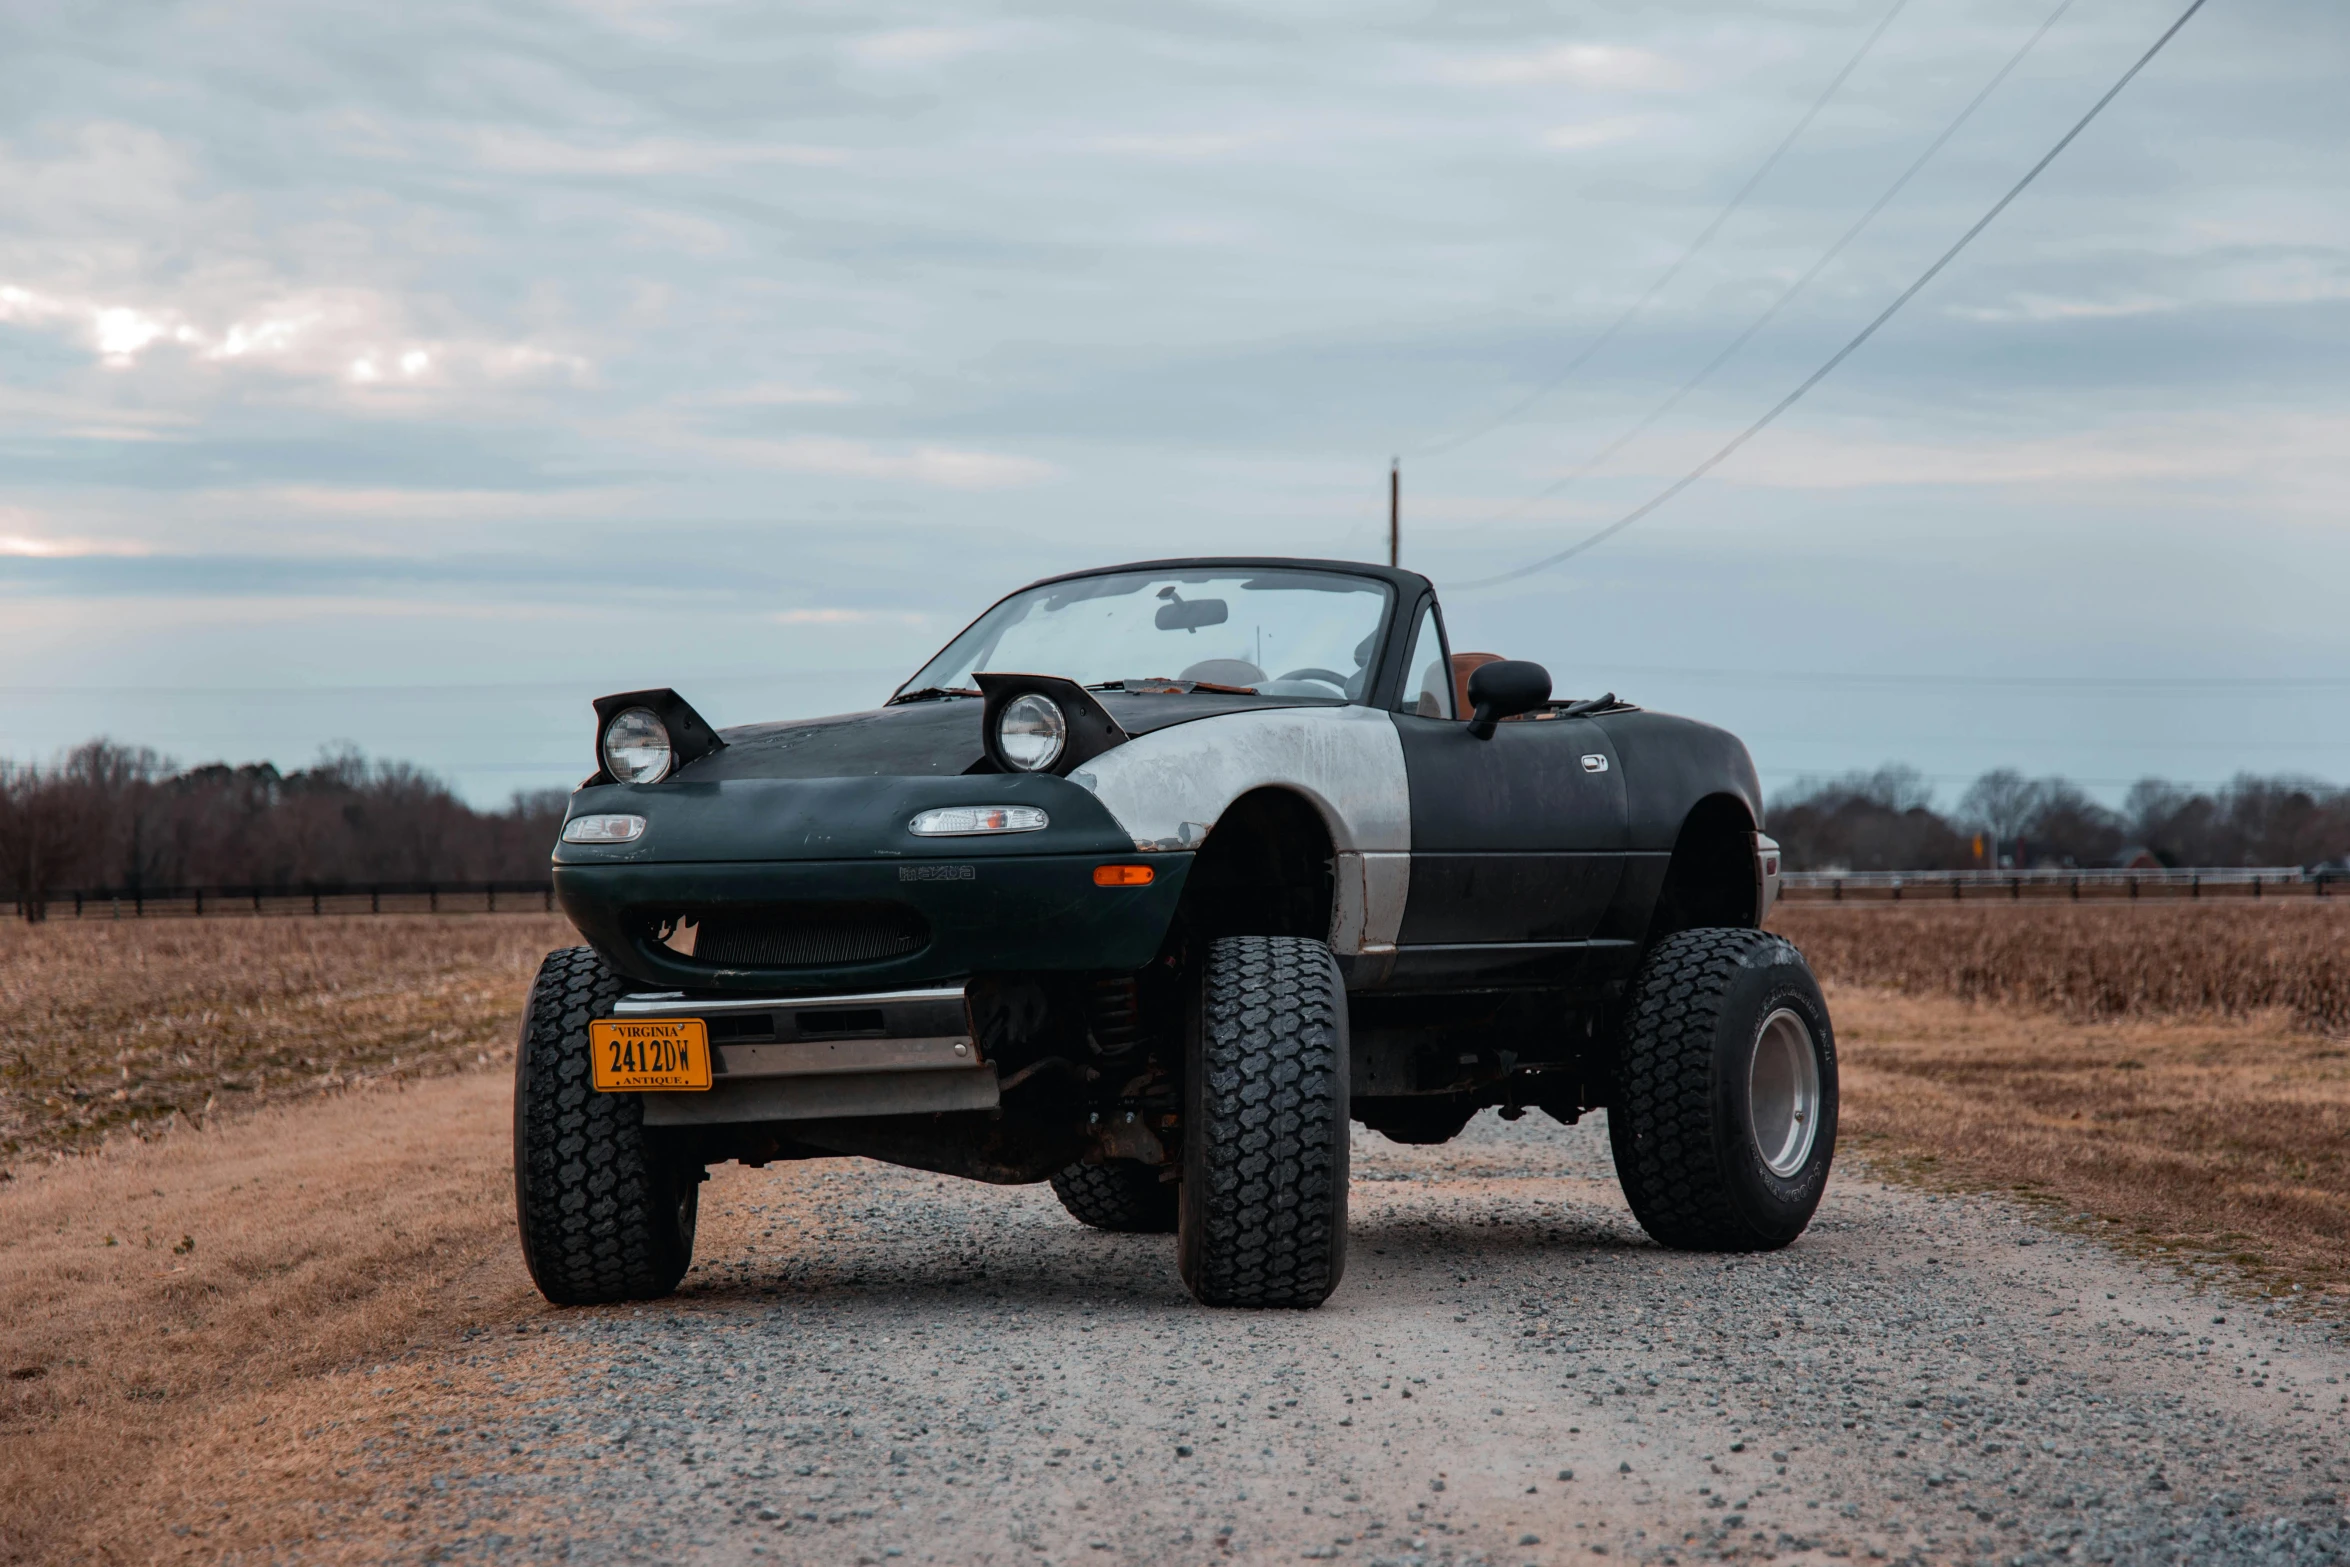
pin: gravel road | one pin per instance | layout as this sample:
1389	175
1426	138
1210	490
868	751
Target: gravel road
870	1364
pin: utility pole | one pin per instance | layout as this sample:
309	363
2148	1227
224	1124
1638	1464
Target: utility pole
1395	511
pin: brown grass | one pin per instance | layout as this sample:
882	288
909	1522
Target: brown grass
188	1322
113	1028
2224	1141
2094	961
2166	1069
189	1326
206	1265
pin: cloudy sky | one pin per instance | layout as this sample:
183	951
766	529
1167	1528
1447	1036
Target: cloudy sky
407	375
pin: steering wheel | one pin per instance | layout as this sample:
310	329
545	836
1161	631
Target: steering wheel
1326	676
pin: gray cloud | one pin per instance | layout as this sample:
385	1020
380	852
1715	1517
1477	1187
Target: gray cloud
436	308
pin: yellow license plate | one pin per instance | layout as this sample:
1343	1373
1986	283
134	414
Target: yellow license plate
635	1055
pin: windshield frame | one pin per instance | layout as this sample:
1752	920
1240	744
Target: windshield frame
1408	592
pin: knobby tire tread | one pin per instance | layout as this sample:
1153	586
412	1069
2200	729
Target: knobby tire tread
596	1207
1271	1133
1662	1121
1127	1198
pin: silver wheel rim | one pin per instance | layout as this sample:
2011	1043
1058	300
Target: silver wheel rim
1783	1093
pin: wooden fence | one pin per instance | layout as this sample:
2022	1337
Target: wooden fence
416	897
535	897
2079	886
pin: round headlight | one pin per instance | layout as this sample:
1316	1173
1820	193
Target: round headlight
1031	732
636	747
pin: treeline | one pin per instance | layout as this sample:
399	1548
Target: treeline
1887	820
108	815
122	817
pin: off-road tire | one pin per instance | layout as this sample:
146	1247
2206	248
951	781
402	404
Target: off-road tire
1262	1218
1677	1116
606	1213
1120	1195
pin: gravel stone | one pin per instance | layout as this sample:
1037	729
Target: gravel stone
965	1374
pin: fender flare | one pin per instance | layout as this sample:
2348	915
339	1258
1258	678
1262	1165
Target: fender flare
1167	789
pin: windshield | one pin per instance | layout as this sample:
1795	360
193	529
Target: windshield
1283	633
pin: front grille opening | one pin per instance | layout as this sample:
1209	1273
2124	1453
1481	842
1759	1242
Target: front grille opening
742	1028
842	1022
804	935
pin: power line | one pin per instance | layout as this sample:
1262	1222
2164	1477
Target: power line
2147	683
1865	333
1688	255
1799	285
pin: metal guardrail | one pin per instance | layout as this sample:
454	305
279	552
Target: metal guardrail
390	897
2270	881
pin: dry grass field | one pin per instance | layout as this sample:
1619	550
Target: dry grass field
195	1315
227	1345
171	1302
2097	960
2176	1075
114	1028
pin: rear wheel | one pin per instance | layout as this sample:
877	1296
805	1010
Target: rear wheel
606	1212
1723	1118
1263	1211
1129	1198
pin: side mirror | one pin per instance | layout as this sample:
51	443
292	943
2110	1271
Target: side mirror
1504	690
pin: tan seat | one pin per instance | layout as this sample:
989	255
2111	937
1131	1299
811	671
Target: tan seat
1464	665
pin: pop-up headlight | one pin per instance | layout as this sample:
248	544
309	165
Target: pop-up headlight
636	747
1031	732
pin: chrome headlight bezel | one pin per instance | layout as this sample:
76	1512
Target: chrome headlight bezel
635	747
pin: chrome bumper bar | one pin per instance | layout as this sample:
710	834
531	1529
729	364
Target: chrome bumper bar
799	1058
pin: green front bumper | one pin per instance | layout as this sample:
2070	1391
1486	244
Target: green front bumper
1000	912
992	902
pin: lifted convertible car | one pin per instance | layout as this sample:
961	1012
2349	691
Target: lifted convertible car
1146	885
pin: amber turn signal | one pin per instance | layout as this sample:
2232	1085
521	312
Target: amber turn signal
1123	875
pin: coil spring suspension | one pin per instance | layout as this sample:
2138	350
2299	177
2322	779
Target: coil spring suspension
1115	1012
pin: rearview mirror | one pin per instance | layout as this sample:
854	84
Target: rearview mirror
1504	690
1191	614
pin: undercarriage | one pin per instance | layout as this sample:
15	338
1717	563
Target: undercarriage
1015	1077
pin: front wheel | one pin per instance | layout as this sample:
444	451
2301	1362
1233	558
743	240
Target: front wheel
606	1213
1262	1219
1723	1116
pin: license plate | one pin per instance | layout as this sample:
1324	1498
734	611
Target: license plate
637	1055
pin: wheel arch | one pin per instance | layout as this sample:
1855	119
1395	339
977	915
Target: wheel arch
1710	879
1267	868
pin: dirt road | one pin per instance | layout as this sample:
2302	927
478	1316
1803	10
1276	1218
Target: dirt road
870	1365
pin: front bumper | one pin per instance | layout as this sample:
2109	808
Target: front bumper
990	913
811	1057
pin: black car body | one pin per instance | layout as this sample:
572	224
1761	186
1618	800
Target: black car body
1477	892
1489	882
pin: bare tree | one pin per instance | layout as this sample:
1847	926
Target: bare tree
45	832
1881	820
123	818
2002	802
